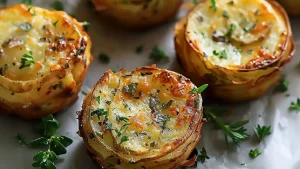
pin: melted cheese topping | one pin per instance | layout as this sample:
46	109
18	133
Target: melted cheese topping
37	42
143	114
238	34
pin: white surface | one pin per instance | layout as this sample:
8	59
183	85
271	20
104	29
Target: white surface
281	150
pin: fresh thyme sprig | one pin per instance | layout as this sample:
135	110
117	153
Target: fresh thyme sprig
56	144
235	131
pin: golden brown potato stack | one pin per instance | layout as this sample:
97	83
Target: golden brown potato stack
137	13
149	118
239	47
44	56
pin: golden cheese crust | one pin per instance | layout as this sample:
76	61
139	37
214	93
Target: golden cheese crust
234	47
147	118
44	56
137	13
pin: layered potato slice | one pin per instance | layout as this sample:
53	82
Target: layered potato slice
44	56
147	118
237	46
137	13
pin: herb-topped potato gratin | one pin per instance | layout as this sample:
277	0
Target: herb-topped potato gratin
138	13
149	118
239	47
44	56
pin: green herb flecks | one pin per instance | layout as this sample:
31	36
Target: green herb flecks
195	2
295	105
202	156
146	73
130	89
54	23
230	31
225	14
21	139
262	132
213	5
57	5
99	113
254	153
26	60
199	90
104	58
158	54
167	105
121	118
139	49
124	139
84	92
86	25
283	85
25	26
26	2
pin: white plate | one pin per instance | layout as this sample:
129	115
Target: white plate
281	150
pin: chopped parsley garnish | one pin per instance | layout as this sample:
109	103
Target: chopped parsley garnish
202	156
158	54
213	5
167	105
25	26
199	90
283	85
26	2
195	2
295	105
246	30
223	54
58	85
146	73
121	118
57	5
139	49
196	103
98	99
104	58
99	113
124	139
26	60
254	153
225	14
262	132
130	89
231	29
54	23
162	118
31	11
86	25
